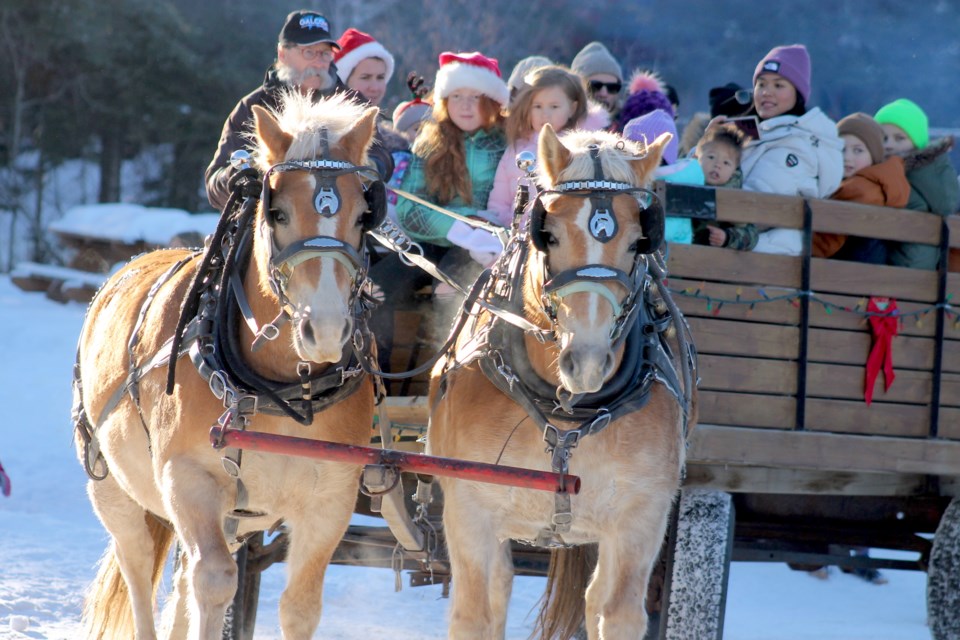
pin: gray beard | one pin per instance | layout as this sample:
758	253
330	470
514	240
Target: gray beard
287	75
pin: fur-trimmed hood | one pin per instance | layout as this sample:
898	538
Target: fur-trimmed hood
920	158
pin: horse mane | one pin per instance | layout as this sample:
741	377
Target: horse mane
303	118
615	156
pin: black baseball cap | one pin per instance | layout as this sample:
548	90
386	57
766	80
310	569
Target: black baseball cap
304	28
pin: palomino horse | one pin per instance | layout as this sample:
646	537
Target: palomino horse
590	375
290	275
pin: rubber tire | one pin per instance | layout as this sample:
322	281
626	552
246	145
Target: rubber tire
943	577
701	564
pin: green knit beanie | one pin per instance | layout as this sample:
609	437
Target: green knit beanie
909	117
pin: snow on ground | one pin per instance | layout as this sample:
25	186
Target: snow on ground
50	540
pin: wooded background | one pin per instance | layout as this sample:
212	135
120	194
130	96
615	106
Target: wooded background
104	80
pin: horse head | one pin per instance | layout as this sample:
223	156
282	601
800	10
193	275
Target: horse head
317	202
588	227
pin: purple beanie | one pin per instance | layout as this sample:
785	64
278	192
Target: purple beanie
790	61
649	127
643	102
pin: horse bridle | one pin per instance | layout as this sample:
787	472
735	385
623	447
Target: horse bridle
603	227
282	262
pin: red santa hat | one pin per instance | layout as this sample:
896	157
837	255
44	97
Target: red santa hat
355	47
470	71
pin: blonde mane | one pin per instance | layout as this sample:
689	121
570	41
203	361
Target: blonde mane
615	156
303	118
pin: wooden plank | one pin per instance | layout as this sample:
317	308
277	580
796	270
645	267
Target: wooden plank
742	479
879	419
713	444
949	424
746	410
853	347
692	297
954	223
836	276
846	382
692	304
747	375
837	318
726	337
766	209
725	265
756	340
885	223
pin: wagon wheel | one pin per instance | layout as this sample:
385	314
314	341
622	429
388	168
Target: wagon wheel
697	572
943	577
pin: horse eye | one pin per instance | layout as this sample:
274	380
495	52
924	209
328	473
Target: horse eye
551	239
278	216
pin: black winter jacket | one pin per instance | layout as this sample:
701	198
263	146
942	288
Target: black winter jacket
240	122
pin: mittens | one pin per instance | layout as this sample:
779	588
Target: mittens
472	239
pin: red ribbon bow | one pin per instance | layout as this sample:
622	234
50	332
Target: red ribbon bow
884	325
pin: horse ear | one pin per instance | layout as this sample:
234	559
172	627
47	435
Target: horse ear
354	143
553	156
275	139
644	167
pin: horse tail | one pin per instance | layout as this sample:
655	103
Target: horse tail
562	611
107	612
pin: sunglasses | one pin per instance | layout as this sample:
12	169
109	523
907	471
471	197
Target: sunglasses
611	87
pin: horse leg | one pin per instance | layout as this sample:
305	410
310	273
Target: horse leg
133	549
314	536
480	566
616	598
197	502
501	586
175	619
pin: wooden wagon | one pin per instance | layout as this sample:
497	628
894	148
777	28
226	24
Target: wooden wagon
788	462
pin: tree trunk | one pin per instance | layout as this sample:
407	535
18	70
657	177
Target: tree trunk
111	158
186	177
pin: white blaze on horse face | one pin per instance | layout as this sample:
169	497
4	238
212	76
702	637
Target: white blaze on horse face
585	318
320	291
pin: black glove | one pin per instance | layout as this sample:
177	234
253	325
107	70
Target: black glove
247	182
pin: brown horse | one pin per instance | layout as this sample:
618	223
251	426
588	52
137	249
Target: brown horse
292	275
591	376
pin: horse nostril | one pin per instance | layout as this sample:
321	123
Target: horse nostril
306	331
608	364
567	363
347	330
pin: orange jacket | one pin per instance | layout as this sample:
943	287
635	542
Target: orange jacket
883	184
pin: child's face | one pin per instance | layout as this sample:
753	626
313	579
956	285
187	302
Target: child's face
718	162
551	104
773	95
463	105
896	140
856	156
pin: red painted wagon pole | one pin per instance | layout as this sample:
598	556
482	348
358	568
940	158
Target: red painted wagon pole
402	460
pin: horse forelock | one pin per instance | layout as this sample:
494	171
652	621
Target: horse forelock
304	119
615	156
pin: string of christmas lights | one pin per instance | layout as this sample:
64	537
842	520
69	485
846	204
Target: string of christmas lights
716	303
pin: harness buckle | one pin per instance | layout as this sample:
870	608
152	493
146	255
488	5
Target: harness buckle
269	332
218	384
346	374
601	422
505	371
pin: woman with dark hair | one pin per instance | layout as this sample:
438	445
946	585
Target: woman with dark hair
796	150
